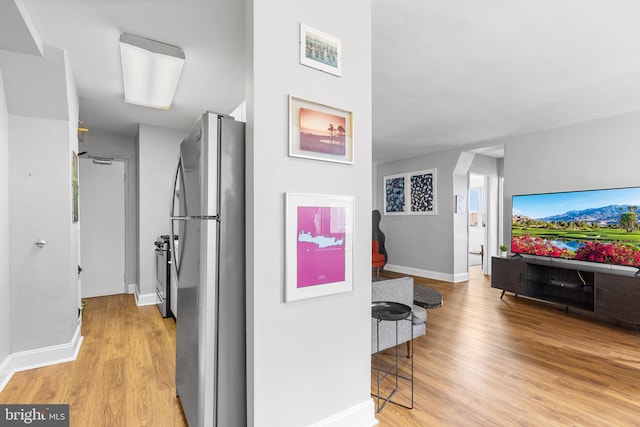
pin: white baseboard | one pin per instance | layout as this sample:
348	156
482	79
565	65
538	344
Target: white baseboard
131	288
460	277
436	275
361	415
5	373
37	358
145	299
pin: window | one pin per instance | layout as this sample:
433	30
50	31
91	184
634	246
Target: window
477	207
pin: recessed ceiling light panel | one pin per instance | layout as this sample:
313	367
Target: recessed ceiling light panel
150	70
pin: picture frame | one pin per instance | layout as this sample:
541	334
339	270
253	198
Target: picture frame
423	192
318	245
320	132
74	187
395	194
461	204
320	50
413	193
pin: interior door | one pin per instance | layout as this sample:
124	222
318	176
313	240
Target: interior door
102	227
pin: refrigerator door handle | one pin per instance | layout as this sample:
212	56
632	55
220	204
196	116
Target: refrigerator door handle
174	194
172	248
175	197
204	217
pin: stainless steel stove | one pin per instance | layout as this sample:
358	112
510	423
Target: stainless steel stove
163	275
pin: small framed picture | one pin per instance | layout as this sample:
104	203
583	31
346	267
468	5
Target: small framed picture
320	132
74	187
461	204
320	50
318	245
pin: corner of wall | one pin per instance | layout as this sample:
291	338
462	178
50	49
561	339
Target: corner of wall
37	358
158	150
5	288
273	76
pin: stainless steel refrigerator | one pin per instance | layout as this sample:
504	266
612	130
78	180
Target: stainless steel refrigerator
208	245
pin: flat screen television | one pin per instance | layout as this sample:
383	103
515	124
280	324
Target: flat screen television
595	225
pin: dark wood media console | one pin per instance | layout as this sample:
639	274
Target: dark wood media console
616	296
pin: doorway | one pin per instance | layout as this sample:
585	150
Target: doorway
477	221
102	227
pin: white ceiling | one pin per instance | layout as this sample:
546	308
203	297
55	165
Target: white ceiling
446	73
455	72
210	32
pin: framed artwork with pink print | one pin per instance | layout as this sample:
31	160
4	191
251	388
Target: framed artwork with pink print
319	245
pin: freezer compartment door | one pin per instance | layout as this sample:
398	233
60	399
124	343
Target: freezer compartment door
199	158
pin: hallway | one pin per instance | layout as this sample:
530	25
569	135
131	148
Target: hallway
124	374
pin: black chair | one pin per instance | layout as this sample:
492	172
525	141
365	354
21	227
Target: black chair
378	238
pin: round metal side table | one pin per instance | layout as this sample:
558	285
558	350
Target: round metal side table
392	312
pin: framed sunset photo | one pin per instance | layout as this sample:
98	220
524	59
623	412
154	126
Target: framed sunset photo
320	132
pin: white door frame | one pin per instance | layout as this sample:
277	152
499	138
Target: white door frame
116	193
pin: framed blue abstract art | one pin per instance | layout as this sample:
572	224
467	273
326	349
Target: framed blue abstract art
412	193
395	194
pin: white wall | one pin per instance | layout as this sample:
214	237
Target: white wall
597	154
423	244
73	108
43	112
436	246
38	118
36	86
99	144
374	186
5	329
309	360
44	293
157	152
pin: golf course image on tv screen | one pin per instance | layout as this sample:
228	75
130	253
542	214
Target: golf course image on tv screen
593	225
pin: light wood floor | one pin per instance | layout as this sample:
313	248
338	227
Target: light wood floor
124	374
516	362
483	362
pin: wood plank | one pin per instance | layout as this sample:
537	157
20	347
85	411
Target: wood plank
124	373
483	362
491	362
